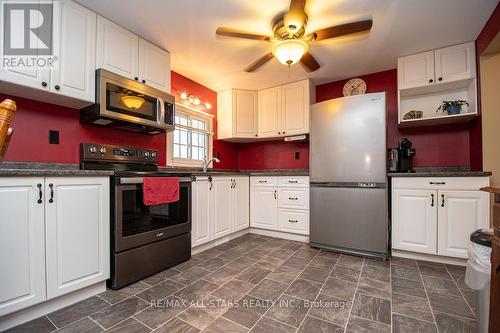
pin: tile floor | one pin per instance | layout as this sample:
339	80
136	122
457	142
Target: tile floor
263	284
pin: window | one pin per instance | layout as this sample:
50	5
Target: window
191	141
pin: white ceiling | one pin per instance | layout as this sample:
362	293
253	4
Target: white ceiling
186	28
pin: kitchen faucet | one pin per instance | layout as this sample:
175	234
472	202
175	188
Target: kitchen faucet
206	162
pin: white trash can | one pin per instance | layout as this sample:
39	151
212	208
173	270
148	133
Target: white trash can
478	274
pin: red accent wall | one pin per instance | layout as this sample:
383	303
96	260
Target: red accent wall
33	120
436	146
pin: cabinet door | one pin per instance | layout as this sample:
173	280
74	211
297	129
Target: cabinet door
244	113
77	233
295	108
154	66
460	213
22	244
264	207
117	49
414	220
241	203
221	196
455	63
202	226
74	46
416	70
270	112
36	77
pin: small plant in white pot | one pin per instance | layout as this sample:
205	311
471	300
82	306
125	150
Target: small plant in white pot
452	107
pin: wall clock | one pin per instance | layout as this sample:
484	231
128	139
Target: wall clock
354	86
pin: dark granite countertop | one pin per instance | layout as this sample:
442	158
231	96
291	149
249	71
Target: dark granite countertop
23	169
440	173
224	172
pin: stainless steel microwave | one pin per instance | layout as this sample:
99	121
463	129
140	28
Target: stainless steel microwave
130	105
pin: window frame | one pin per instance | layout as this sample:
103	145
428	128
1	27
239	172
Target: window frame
193	114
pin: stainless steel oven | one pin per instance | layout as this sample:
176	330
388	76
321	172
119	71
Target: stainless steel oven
137	224
129	105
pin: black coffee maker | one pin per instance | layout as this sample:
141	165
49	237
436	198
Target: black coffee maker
401	159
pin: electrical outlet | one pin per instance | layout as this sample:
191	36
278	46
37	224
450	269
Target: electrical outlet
297	155
53	137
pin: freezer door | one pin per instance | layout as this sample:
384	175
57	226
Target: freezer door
349	218
348	139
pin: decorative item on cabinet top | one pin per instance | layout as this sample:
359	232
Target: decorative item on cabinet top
7	109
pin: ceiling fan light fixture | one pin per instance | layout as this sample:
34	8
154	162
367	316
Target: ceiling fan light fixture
290	51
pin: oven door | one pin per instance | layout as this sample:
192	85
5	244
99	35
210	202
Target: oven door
137	224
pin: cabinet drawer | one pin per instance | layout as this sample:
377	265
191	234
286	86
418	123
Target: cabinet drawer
263	181
440	183
293	198
293	181
291	220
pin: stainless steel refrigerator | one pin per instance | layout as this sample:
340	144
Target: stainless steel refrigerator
349	209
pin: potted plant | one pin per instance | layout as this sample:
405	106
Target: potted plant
452	107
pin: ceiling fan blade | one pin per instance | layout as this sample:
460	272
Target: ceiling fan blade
309	63
295	17
259	62
342	30
239	34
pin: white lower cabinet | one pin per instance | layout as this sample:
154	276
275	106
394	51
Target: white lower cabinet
77	233
54	237
264	207
220	206
437	216
280	204
22	244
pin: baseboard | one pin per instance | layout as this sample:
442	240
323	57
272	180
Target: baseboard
218	241
280	234
429	257
41	309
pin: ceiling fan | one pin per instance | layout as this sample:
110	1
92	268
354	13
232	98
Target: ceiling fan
290	40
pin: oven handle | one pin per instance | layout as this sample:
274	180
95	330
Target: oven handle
140	180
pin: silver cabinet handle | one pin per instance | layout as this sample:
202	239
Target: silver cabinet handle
234	180
293	221
293	198
262	181
293	181
275	194
432	200
437	183
442	198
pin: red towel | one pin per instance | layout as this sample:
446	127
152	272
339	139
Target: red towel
160	190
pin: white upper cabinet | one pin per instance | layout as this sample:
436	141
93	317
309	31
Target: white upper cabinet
455	62
154	66
117	49
270	112
460	213
237	114
74	46
22	243
449	64
295	108
124	53
416	70
414	220
246	115
77	222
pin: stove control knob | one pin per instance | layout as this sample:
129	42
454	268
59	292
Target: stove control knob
153	154
146	154
102	150
93	149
